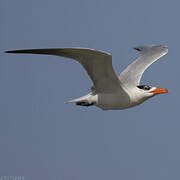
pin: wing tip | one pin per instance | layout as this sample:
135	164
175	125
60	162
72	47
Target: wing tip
12	51
137	48
141	48
7	51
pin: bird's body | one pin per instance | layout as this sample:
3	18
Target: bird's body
110	91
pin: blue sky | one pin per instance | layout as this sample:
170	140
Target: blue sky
43	138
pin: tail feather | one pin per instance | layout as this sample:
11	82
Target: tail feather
82	101
76	100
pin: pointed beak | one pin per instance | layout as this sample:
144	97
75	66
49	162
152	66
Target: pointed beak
159	91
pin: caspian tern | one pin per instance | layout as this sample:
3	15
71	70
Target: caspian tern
110	91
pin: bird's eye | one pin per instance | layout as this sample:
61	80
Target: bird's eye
144	87
147	87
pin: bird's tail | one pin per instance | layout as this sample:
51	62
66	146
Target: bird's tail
82	101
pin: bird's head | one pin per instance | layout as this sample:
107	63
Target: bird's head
147	91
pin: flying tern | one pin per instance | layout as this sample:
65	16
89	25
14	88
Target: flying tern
110	91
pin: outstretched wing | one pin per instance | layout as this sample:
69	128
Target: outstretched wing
131	76
98	65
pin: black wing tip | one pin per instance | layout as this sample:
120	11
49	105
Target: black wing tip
24	51
7	51
11	51
137	49
141	48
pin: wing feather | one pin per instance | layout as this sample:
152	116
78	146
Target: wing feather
131	76
98	65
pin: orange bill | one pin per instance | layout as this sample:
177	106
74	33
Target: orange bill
159	91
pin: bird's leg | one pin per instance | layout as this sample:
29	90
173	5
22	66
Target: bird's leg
83	103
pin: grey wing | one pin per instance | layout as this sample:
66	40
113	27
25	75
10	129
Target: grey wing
98	65
131	76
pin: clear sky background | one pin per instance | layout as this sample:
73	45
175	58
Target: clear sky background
43	138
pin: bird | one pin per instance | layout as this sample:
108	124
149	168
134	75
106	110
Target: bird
109	91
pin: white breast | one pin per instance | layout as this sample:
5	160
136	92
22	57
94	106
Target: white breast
112	101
